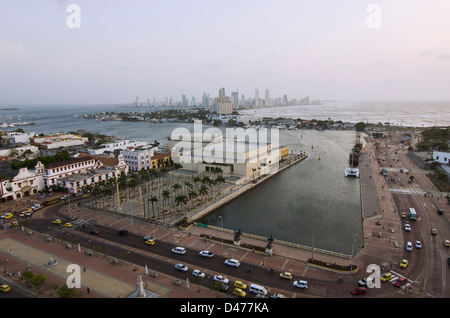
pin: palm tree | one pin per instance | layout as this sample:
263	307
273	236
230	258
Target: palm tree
166	195
180	199
196	179
219	180
153	200
203	190
176	186
192	195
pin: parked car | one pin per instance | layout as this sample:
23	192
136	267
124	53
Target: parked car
239	292
198	273
232	262
240	285
150	242
362	282
286	275
181	267
359	291
220	286
95	231
400	282
220	278
404	263
179	250
409	246
300	284
5	288
386	277
206	254
123	232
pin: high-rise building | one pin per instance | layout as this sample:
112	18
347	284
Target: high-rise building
256	97
222	94
235	98
206	101
268	102
243	100
184	100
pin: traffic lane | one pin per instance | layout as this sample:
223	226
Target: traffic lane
15	292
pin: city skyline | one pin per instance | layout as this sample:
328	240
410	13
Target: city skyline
357	50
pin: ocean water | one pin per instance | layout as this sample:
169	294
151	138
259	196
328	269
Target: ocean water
406	113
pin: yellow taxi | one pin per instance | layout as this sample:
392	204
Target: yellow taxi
15	224
240	285
403	215
386	277
67	224
5	288
404	263
8	215
447	243
239	292
150	242
286	275
57	221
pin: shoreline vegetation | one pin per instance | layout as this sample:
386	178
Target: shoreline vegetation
234	119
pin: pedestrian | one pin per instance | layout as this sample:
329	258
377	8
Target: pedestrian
88	290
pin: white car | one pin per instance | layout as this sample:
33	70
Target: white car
198	273
300	284
179	250
232	262
407	227
220	278
181	267
418	244
409	246
206	254
148	237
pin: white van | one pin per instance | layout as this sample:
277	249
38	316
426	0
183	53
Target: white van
257	289
179	250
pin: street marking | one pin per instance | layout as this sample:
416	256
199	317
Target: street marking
407	191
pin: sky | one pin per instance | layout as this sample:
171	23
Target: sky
327	50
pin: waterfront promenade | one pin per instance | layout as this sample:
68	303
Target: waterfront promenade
381	232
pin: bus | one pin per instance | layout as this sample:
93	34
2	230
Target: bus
412	214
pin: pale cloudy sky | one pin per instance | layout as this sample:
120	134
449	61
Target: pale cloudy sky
164	48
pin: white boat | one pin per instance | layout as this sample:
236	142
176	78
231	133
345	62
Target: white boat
352	172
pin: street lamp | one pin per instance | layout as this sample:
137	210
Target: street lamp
221	225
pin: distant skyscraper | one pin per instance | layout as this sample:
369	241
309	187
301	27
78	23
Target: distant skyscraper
184	101
222	94
243	100
267	98
206	101
235	99
256	97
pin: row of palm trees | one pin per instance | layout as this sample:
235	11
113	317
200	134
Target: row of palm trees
160	191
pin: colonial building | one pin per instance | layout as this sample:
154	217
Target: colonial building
23	184
72	174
